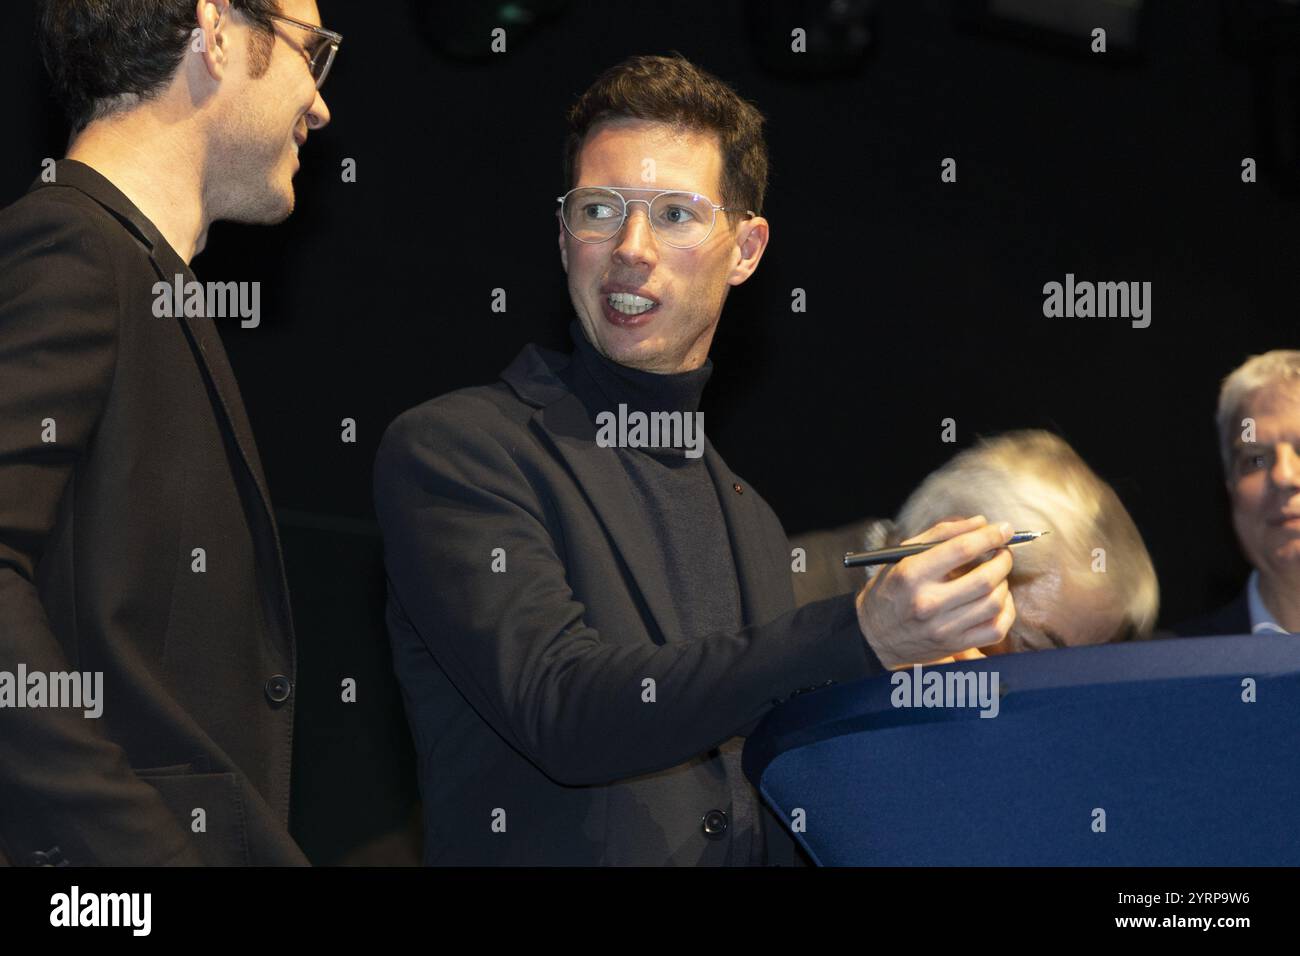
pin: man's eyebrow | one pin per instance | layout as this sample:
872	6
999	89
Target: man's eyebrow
648	189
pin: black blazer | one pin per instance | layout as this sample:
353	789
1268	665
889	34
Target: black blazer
152	459
524	688
1232	618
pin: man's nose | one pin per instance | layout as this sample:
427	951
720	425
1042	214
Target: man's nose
1286	466
637	243
319	114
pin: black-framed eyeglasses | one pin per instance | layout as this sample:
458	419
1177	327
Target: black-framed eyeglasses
320	49
681	219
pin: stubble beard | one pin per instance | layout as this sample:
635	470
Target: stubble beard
254	185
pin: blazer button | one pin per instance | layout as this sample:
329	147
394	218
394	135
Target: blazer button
715	824
278	689
51	857
737	488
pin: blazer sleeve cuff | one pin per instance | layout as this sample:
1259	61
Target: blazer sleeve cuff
844	653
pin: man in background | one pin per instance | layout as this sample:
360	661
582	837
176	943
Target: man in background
1258	423
1090	581
139	559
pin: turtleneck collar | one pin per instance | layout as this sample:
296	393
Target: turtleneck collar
610	384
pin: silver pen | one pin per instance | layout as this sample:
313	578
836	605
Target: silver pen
857	559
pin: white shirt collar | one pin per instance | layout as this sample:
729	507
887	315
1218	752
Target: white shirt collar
1260	620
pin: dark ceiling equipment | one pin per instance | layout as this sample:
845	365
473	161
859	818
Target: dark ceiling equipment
838	35
462	30
1062	25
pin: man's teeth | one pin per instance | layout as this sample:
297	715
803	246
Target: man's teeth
630	304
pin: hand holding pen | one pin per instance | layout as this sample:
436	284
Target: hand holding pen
856	559
944	599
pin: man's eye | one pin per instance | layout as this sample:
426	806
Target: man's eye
677	215
598	211
1252	462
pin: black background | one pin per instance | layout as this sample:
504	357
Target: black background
924	298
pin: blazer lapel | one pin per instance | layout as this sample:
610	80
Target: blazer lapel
757	564
562	418
211	355
602	479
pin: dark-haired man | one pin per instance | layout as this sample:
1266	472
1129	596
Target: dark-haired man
138	551
588	609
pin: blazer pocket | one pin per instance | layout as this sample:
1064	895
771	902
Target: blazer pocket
175	770
223	839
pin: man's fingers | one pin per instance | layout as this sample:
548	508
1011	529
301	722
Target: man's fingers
992	633
975	585
947	529
935	564
911	611
952	626
1002	626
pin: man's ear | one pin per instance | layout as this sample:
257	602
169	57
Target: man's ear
210	39
564	245
751	240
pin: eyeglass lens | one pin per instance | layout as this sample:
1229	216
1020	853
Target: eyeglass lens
322	51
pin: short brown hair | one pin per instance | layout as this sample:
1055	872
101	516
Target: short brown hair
671	89
101	54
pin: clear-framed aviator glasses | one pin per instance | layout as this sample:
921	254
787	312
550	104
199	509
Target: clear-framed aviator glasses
320	49
680	219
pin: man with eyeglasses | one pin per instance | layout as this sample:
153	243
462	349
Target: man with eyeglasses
586	619
139	558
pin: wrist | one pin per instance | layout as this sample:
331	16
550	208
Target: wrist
868	633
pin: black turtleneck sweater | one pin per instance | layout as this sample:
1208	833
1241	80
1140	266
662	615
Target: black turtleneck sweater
691	534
